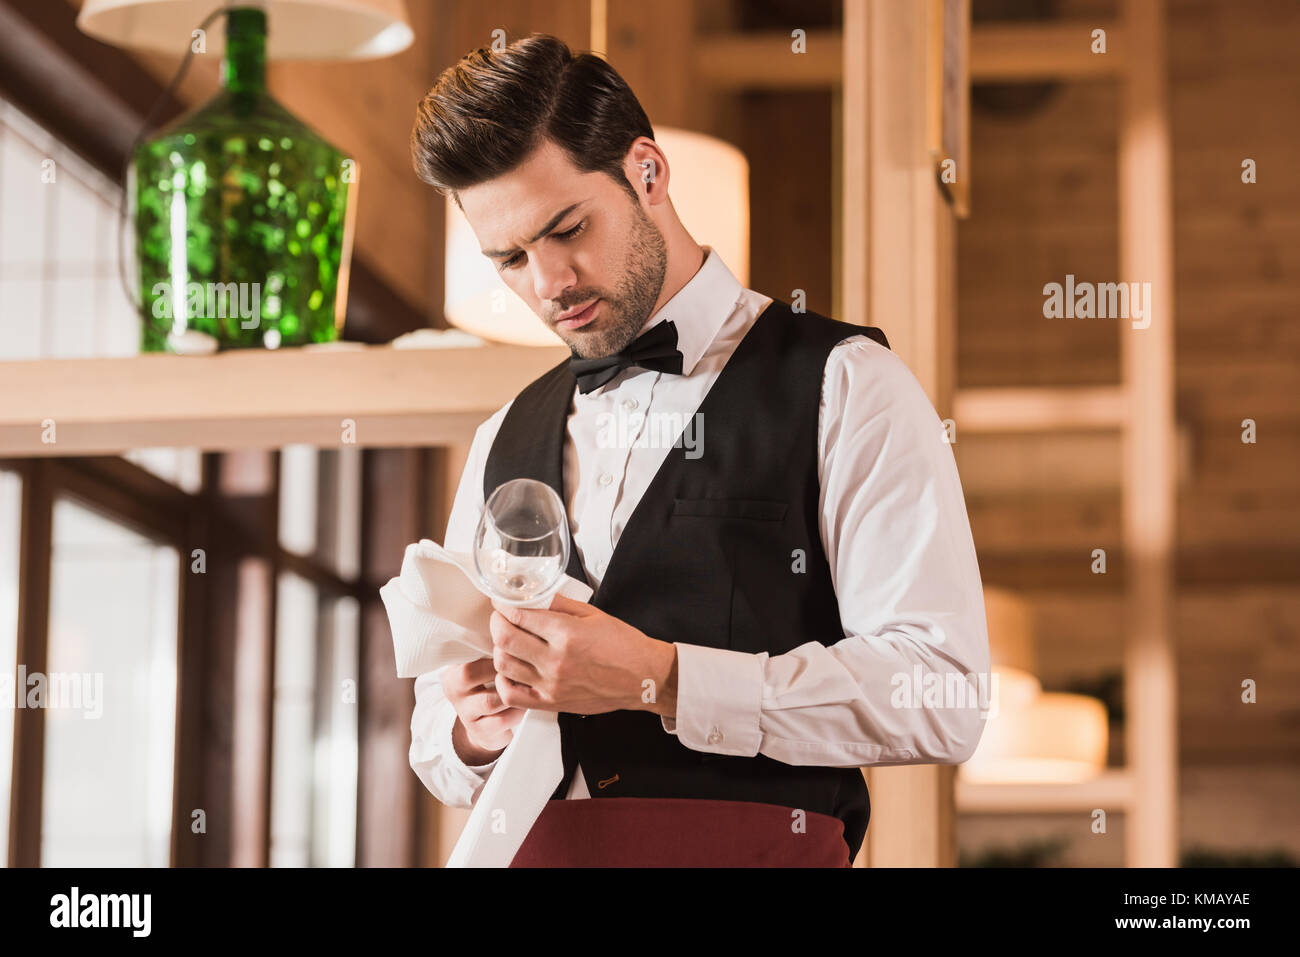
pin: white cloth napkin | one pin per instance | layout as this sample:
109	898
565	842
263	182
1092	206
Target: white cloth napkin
439	615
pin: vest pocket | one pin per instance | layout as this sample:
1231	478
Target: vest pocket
744	543
742	508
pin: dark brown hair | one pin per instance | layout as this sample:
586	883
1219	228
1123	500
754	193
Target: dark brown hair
489	111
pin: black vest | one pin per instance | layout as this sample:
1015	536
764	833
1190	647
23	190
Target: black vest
723	550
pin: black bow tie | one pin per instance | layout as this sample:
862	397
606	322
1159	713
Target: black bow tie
656	350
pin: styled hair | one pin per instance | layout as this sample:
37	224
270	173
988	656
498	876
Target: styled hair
489	111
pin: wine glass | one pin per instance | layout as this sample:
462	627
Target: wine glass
521	548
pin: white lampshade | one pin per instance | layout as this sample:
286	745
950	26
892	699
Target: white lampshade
296	29
1056	738
1031	736
709	188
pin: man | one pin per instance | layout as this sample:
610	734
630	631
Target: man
767	580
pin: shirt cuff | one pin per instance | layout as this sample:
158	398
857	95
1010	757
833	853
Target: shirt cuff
719	700
479	770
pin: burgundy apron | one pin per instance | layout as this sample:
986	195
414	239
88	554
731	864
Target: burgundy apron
679	832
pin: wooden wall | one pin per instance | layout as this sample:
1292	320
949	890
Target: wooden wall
1044	205
788	138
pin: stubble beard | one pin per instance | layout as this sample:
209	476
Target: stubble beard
626	313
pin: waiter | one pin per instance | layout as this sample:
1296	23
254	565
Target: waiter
762	499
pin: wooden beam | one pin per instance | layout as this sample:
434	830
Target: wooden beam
639	50
1147	360
34	563
240	663
192	651
855	232
256	399
896	257
442	825
894	218
394	513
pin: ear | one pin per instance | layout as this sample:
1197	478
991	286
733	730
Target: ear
647	168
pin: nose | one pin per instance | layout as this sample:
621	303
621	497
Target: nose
552	275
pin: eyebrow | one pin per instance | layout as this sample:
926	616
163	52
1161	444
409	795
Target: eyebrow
549	227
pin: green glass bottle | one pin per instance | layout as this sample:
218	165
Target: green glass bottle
242	217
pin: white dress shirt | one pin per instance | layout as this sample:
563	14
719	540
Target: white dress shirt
893	525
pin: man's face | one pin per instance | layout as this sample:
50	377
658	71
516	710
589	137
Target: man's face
563	239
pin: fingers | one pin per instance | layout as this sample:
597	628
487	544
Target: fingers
476	674
516	669
517	641
540	622
473	685
494	731
518	695
570	606
486	703
505	718
463	684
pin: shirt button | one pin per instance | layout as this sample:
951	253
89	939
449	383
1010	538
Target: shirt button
715	735
605	478
629	404
601	566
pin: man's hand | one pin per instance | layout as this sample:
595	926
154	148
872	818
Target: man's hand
576	658
484	723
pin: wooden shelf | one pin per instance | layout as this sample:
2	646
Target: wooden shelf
1111	790
251	398
764	60
1007	52
1041	409
1025	52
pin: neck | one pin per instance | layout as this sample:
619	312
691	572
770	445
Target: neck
244	66
685	258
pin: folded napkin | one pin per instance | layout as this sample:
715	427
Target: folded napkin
439	613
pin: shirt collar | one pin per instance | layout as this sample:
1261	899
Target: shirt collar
699	308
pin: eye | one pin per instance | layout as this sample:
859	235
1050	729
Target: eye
566	235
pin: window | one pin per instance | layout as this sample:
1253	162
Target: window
60	295
182	467
314	754
111	712
314	724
